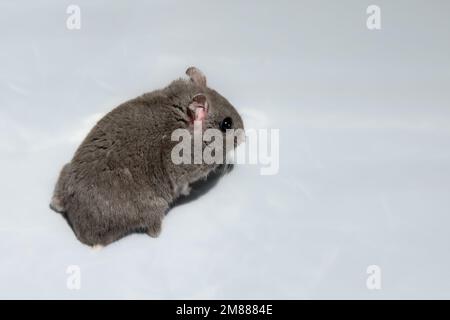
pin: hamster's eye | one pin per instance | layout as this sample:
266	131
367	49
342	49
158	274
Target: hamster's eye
226	123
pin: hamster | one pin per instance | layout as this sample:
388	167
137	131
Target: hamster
121	179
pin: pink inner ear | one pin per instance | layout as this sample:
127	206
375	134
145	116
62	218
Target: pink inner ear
198	108
200	114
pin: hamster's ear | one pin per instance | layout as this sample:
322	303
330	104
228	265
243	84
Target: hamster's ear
196	76
198	108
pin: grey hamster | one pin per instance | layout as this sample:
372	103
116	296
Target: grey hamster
121	179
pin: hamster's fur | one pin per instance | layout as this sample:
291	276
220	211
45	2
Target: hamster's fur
121	179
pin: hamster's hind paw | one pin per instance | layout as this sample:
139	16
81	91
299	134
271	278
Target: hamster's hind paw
154	229
56	205
97	247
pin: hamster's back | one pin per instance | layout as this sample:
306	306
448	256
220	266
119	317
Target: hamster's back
115	168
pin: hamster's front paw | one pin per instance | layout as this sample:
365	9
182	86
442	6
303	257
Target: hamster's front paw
185	190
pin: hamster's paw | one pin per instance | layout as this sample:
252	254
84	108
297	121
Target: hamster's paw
154	229
97	247
56	205
185	190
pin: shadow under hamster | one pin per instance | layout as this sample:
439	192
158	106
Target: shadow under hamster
203	186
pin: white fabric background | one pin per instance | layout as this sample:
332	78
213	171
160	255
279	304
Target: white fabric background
364	121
